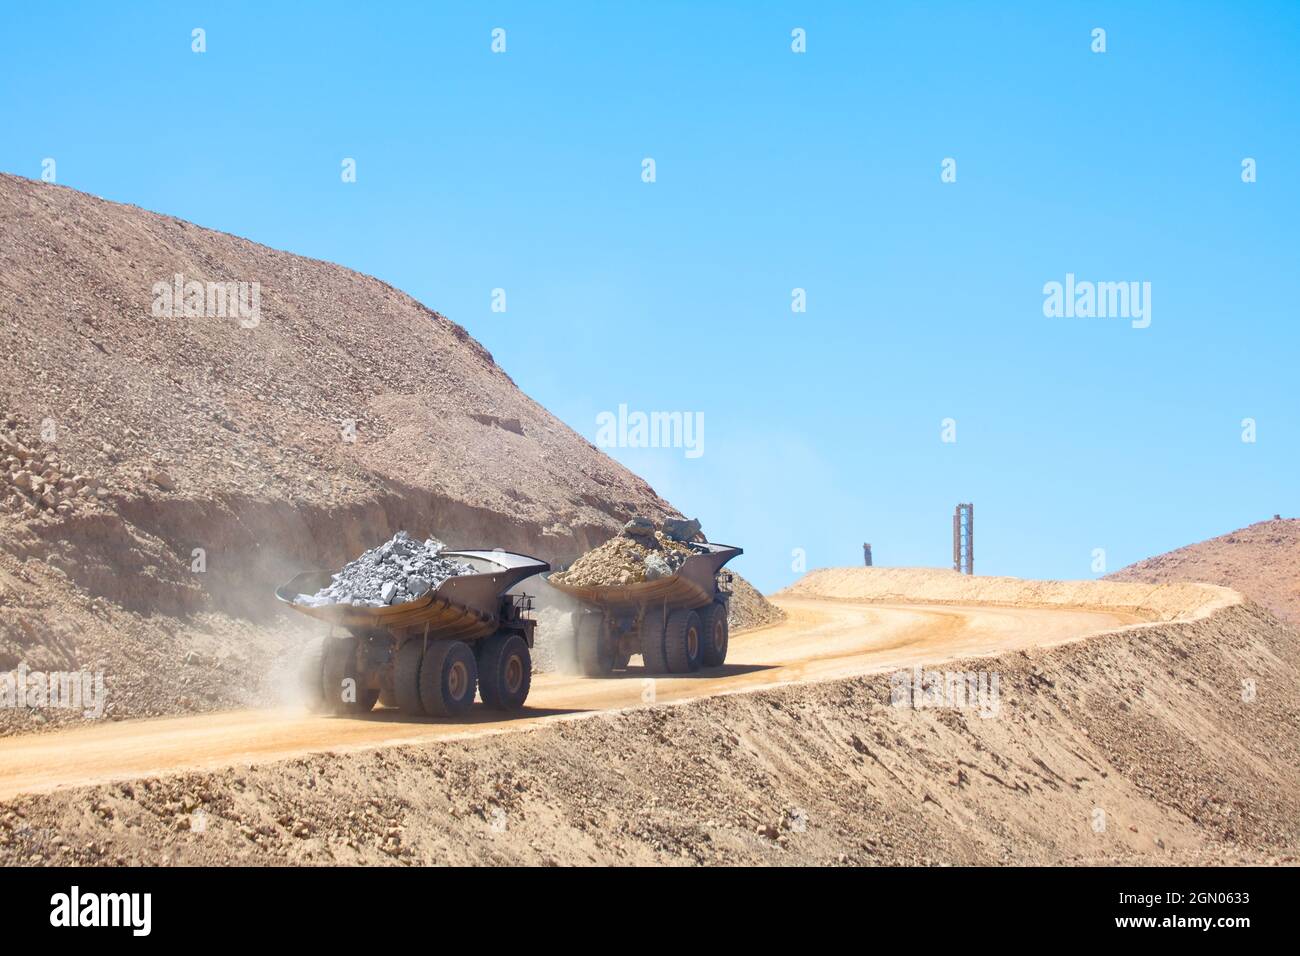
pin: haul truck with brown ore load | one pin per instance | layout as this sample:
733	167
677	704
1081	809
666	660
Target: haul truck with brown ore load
677	623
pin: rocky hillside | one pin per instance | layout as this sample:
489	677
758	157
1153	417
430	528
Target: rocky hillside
1261	561
172	448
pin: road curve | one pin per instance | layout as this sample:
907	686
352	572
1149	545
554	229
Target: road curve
819	640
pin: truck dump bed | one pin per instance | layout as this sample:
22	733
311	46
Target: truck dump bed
463	607
691	587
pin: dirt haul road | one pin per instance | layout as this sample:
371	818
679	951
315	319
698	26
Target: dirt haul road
821	639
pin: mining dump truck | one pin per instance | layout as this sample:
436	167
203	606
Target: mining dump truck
677	623
425	656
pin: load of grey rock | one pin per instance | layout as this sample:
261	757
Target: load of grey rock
399	570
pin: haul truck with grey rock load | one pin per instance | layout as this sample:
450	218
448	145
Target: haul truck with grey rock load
677	623
426	655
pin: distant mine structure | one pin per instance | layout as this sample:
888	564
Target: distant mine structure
963	538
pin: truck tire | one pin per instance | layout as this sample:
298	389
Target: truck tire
716	635
448	678
505	671
311	674
683	641
406	677
342	680
595	651
652	641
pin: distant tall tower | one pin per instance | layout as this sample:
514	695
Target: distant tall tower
866	555
963	539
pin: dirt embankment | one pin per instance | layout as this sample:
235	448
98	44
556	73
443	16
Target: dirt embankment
748	608
1161	602
1261	561
1166	742
161	471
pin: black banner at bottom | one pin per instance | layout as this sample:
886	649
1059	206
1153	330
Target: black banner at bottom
215	906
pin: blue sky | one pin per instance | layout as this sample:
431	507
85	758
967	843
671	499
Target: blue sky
775	170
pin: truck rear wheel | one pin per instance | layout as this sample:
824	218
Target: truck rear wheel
311	674
652	641
406	677
448	678
505	671
342	681
683	641
716	635
595	650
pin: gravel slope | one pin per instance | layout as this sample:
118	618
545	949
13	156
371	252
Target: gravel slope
1261	561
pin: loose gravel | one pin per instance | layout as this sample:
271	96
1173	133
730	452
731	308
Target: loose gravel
399	570
636	555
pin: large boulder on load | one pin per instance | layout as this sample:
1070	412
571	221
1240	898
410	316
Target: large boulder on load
639	527
657	566
682	529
